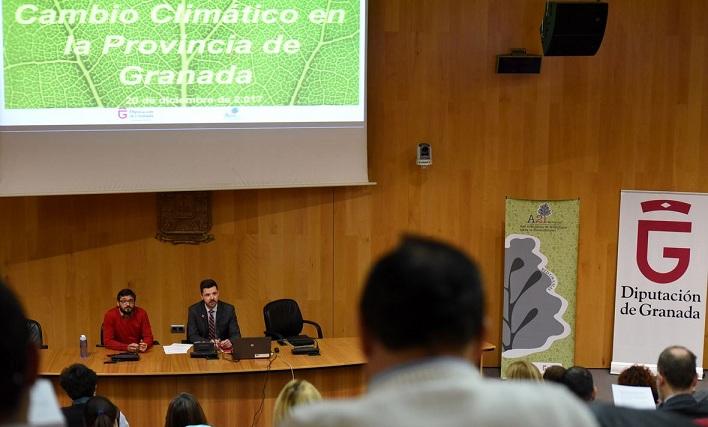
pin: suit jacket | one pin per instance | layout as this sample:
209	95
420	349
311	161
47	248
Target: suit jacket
74	415
198	322
616	416
686	405
446	392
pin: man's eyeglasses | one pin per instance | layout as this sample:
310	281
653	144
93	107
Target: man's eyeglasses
127	301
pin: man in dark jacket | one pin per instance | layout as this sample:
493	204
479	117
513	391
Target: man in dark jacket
211	319
676	381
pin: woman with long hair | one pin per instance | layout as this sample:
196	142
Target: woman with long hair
100	412
294	393
184	410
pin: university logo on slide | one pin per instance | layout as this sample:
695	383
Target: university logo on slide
645	227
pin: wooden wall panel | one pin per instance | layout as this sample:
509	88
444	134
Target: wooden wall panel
635	116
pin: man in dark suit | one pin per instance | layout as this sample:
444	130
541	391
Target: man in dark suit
211	319
676	381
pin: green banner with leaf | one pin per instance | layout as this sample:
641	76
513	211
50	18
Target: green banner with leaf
540	277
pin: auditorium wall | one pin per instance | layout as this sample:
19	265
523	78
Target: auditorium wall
633	117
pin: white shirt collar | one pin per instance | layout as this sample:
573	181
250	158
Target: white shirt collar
215	308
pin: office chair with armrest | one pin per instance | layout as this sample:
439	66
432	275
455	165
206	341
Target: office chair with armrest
283	320
35	332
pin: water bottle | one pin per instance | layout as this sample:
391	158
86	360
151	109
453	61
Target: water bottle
83	346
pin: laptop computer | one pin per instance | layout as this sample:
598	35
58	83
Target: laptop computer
251	348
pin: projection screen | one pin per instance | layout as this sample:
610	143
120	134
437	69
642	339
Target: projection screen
104	96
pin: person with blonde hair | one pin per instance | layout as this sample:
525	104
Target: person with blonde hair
294	393
523	370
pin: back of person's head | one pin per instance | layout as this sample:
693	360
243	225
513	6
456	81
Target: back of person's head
294	393
100	412
423	294
677	365
184	410
639	376
523	370
78	381
18	357
579	381
554	374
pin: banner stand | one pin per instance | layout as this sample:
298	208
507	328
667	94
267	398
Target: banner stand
662	267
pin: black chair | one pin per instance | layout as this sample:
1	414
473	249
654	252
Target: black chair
283	321
35	332
100	337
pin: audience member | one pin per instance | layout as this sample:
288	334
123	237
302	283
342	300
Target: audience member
579	381
639	376
184	410
19	361
676	381
617	416
523	370
80	383
554	373
127	327
422	322
294	393
100	412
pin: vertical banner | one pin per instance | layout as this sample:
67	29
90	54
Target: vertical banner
540	275
662	273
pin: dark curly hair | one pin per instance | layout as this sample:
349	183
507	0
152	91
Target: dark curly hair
78	381
639	376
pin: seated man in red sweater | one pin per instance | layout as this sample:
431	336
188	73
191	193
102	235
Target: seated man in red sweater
127	327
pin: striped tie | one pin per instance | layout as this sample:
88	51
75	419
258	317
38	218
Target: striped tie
212	325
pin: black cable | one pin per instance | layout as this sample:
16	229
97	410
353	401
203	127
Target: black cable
263	392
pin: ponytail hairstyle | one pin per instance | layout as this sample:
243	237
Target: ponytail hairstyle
100	412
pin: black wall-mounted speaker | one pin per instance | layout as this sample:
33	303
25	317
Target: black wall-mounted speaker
518	64
573	29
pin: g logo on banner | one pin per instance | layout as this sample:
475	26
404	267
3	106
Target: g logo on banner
683	255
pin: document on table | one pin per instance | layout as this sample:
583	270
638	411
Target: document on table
176	348
633	397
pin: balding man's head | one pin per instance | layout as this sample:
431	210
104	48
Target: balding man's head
677	369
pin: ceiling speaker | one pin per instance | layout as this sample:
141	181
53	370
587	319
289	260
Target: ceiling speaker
573	29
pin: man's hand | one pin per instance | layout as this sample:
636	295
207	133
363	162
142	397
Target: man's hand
142	347
134	347
225	344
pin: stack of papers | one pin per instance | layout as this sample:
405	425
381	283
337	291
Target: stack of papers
633	397
176	348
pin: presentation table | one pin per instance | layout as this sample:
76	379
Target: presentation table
231	393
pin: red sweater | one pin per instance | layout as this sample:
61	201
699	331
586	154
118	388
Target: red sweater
119	331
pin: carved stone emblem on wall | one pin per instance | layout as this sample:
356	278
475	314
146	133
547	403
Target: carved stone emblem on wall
184	217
